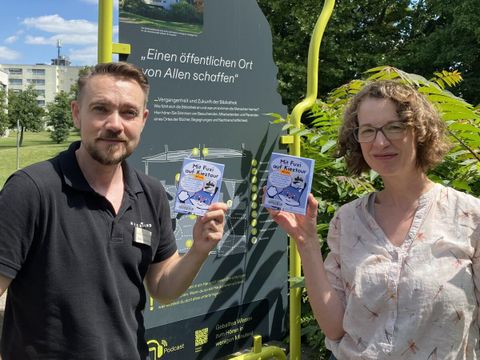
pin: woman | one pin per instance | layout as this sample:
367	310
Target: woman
402	277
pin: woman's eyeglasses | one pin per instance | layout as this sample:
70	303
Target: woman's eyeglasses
394	130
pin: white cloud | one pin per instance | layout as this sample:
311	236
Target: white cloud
14	38
37	40
11	39
78	36
70	39
58	25
84	56
8	54
70	32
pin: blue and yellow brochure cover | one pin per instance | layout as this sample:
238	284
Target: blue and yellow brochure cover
289	182
198	187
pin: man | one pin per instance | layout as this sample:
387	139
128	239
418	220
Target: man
79	234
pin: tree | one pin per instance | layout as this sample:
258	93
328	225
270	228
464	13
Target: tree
421	37
24	109
183	11
59	117
444	35
357	37
3	112
82	72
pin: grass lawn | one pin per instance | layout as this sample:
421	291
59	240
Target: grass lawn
36	147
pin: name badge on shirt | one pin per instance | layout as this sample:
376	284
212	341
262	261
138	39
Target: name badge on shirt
142	236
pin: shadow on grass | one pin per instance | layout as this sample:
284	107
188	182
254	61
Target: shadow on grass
9	144
34	139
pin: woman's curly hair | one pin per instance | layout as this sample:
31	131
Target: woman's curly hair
412	108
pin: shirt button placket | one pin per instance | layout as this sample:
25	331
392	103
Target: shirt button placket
393	277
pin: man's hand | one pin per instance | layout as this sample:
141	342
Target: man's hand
169	279
208	229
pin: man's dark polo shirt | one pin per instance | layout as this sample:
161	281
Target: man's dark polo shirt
77	268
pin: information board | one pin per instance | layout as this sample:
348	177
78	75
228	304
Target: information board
213	84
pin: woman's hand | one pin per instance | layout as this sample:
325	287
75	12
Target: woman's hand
302	228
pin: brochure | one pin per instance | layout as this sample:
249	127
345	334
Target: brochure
198	187
289	182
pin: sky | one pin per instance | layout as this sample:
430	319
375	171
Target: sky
29	32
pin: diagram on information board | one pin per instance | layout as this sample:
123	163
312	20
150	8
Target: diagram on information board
169	162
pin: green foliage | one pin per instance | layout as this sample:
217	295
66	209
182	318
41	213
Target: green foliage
74	88
23	107
312	334
179	12
443	35
59	117
418	36
140	8
332	185
185	12
358	36
3	112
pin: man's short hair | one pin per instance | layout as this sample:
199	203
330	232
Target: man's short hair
117	69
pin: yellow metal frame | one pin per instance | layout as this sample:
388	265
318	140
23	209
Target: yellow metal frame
106	48
298	110
260	352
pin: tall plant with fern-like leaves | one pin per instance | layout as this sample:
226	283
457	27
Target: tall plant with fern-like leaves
333	186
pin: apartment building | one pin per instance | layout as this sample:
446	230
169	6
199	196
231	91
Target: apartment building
4	87
3	80
47	80
166	4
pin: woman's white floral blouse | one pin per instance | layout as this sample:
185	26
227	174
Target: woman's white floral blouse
416	301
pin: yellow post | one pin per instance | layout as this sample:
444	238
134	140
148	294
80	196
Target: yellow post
260	352
298	110
105	30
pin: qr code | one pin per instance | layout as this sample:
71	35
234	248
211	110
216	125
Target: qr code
201	337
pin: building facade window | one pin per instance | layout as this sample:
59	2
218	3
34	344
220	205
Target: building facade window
36	81
15	81
15	71
38	72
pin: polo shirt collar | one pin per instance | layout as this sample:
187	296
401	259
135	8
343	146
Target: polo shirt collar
72	174
132	184
74	178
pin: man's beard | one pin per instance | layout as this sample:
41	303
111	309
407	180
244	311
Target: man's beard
112	156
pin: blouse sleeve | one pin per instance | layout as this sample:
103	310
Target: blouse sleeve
476	260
